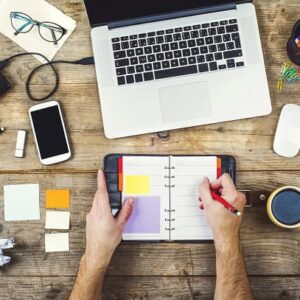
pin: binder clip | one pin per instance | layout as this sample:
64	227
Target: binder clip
5	244
287	138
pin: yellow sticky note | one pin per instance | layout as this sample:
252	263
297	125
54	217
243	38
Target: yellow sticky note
57	199
137	185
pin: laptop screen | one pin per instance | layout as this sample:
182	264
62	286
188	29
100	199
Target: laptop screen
107	11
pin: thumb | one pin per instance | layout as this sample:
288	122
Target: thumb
204	192
125	213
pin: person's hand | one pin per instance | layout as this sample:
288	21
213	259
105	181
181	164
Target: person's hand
224	225
103	231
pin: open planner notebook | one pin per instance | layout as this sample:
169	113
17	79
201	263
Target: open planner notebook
165	192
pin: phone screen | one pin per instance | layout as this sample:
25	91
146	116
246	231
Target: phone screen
49	132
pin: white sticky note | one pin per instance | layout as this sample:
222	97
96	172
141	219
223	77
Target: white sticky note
56	242
57	219
21	202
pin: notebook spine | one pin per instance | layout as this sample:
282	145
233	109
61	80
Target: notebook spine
169	177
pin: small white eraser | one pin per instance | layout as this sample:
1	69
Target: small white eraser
20	143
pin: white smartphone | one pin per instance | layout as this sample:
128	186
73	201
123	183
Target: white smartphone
49	133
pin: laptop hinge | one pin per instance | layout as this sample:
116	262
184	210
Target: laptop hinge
179	14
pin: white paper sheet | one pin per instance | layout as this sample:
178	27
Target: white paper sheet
21	202
38	10
56	242
57	219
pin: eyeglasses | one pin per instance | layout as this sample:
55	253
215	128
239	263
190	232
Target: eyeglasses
49	31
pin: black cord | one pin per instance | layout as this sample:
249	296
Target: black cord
83	61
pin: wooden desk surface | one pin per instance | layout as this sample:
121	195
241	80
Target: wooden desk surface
145	271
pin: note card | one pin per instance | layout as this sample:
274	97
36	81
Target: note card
56	242
137	185
57	219
145	217
21	202
57	199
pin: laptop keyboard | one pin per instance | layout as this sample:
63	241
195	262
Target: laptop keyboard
207	47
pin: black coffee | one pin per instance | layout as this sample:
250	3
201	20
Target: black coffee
286	207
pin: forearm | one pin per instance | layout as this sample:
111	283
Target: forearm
89	282
232	281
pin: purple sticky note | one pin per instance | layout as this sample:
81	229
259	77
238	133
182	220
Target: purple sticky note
145	217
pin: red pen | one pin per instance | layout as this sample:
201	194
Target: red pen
226	204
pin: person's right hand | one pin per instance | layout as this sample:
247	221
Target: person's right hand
224	225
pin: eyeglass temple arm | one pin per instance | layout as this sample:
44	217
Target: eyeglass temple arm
53	36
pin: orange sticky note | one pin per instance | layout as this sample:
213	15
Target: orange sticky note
57	199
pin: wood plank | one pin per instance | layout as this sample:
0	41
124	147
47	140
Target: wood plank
269	250
183	287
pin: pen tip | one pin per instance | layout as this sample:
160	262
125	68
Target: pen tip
238	213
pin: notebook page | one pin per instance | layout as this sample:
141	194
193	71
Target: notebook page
144	180
188	172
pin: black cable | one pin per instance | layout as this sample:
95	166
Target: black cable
83	61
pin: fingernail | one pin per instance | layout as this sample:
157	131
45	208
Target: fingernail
130	201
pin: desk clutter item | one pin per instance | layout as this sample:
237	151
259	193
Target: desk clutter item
57	199
29	36
293	45
20	143
165	192
21	202
5	244
287	137
57	219
56	242
288	74
283	207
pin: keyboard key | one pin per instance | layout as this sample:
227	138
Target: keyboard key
222	67
157	66
138	77
148	76
240	64
151	41
130	53
186	36
142	35
186	52
178	29
156	48
218	56
200	58
191	43
165	64
192	60
130	70
119	54
148	67
169	38
187	28
203	32
169	55
177	54
214	24
213	66
183	61
177	37
124	38
151	58
133	60
160	32
209	57
236	38
151	34
182	44
122	62
221	30
212	31
175	72
212	48
194	34
139	68
205	25
160	56
226	38
195	51
116	47
224	22
232	54
125	45
121	80
114	40
160	40
221	47
174	46
203	68
129	79
148	50
174	63
218	39
169	31
142	42
133	37
230	63
203	50
133	44
139	51
196	26
230	46
233	21
209	40
121	71
200	42
142	59
232	28
165	47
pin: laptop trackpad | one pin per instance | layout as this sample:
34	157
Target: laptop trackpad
185	102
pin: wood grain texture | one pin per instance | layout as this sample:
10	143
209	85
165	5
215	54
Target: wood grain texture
145	270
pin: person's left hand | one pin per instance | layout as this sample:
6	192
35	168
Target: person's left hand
103	231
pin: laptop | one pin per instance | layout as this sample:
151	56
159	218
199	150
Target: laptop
164	65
